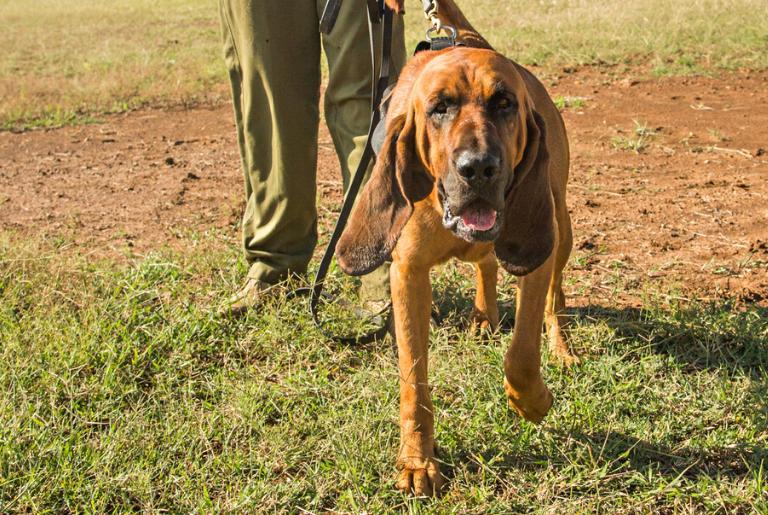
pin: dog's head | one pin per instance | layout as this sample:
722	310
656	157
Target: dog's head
461	133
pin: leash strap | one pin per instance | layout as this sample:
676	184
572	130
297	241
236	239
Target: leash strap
377	14
331	14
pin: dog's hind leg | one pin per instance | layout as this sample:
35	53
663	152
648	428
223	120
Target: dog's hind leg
485	315
554	314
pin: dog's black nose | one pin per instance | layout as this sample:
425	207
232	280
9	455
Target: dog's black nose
476	166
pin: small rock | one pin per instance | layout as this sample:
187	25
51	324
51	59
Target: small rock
628	83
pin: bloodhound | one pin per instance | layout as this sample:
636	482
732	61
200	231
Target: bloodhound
474	165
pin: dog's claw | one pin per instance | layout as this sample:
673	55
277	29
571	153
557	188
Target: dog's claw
420	477
559	348
566	359
482	323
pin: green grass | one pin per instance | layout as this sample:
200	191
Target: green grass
62	62
639	142
121	390
575	103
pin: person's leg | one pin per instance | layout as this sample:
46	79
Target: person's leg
348	95
348	98
272	51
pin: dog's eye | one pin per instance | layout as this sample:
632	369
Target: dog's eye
502	104
439	108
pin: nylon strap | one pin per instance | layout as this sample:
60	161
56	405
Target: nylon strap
330	14
375	18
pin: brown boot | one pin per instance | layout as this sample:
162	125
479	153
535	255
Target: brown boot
249	296
374	288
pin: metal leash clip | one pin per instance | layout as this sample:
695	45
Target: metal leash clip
437	25
431	15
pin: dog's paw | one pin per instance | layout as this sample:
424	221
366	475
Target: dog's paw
565	358
531	404
482	323
420	477
560	350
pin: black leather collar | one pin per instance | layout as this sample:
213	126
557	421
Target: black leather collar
440	43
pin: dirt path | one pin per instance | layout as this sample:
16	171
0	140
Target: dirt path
691	208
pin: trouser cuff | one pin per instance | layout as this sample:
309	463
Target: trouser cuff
261	271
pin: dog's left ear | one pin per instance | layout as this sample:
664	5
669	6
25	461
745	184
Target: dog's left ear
386	202
528	235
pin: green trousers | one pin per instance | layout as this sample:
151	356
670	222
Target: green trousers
272	51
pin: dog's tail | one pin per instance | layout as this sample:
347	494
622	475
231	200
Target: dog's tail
450	14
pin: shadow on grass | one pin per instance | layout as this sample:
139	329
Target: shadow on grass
720	336
723	337
615	456
616	453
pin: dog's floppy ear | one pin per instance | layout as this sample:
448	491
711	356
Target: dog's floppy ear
386	202
528	235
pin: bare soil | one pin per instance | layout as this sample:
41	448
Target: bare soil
689	209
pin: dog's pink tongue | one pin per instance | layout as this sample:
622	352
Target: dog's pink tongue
479	219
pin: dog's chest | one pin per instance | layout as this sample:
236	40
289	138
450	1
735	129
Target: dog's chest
426	242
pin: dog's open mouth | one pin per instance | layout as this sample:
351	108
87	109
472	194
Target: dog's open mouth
477	221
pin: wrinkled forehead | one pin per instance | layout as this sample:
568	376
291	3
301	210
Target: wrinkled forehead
468	72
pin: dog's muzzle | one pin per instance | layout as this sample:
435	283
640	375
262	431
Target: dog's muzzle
472	220
477	222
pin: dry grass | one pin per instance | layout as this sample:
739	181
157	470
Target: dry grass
64	61
670	36
61	58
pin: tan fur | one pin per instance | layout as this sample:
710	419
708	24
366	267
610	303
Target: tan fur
400	213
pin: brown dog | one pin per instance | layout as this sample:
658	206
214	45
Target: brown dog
474	166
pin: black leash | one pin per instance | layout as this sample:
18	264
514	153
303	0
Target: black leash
378	14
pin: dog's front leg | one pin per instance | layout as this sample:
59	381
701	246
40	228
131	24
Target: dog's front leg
411	301
527	393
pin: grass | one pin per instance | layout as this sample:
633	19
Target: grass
575	103
121	390
639	141
65	62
